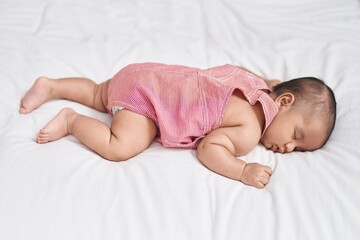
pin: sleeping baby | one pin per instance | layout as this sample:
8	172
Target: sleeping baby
223	112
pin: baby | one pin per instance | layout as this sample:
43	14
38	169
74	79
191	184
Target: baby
223	112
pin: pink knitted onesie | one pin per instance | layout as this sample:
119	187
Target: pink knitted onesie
185	103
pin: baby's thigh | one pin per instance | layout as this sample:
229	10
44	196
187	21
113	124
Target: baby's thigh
133	132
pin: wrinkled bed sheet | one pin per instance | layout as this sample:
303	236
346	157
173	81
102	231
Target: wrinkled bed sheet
62	190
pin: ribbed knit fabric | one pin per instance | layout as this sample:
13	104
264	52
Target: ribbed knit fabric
185	103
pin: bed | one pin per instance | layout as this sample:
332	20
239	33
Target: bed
62	190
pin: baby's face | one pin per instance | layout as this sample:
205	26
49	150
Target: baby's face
294	131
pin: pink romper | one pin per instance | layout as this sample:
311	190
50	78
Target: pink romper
185	103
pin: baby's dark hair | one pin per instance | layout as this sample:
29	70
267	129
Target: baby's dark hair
316	95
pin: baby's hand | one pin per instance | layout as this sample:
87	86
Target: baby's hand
256	175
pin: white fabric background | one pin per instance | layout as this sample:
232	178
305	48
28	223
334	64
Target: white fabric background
62	190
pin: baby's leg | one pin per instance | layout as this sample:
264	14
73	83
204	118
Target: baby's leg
80	90
130	133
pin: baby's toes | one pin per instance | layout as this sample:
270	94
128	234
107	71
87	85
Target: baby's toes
42	137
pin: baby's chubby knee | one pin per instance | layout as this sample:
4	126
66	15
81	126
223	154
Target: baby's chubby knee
118	151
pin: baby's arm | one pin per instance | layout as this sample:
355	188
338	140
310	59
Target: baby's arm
217	152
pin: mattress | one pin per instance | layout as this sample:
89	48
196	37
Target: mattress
63	190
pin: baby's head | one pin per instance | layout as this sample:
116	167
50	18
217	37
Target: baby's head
306	117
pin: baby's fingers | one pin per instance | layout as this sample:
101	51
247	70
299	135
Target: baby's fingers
259	184
268	170
264	180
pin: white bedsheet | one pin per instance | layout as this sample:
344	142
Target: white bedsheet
62	190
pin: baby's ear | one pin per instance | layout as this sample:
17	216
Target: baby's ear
285	100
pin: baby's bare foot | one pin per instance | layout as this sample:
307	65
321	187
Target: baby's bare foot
37	95
56	128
